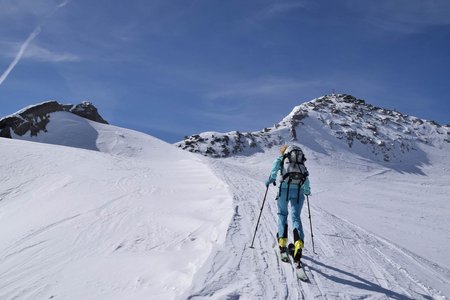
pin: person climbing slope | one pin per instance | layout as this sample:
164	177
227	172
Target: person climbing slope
293	186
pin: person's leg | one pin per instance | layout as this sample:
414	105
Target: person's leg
299	236
282	218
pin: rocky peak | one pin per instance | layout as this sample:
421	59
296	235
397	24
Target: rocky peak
86	110
387	134
35	118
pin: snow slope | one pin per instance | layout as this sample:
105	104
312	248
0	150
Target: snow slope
378	234
134	221
108	224
380	206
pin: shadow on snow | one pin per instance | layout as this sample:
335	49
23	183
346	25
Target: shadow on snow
359	282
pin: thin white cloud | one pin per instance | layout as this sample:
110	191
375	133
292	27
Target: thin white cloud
278	8
404	16
262	88
64	3
35	52
15	8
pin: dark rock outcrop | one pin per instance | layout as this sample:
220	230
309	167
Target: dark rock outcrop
86	110
35	119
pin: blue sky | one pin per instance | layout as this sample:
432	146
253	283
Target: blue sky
174	68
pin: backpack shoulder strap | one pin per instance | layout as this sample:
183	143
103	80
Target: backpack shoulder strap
282	163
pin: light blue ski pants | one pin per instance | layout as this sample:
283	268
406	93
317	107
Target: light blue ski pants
296	199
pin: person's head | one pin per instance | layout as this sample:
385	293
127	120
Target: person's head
283	149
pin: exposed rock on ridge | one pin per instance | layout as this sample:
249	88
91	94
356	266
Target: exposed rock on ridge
386	133
35	118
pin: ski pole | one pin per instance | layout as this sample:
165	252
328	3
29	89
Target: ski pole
257	223
310	224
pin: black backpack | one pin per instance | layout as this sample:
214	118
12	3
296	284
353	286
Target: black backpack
293	169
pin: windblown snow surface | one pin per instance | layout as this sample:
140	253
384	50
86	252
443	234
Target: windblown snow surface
135	221
139	219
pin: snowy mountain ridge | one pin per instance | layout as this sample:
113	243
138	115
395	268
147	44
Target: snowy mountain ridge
388	134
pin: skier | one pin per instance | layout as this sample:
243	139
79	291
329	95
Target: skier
293	185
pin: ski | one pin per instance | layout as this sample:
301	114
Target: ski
288	257
284	257
299	270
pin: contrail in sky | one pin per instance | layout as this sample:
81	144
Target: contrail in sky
27	42
24	47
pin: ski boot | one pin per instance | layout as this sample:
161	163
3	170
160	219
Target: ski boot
283	249
298	248
296	252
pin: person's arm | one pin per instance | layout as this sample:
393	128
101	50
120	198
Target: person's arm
275	168
306	187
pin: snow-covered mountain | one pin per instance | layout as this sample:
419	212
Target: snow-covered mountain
388	135
134	219
138	218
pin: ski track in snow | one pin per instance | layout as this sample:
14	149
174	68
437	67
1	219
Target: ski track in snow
349	263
